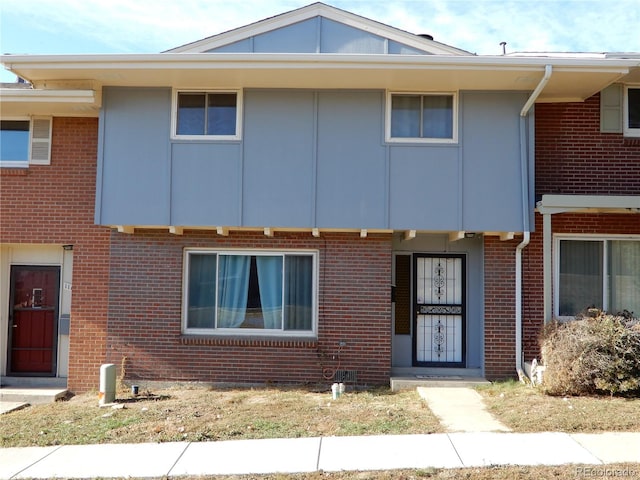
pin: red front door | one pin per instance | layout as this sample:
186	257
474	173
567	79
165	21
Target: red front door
33	320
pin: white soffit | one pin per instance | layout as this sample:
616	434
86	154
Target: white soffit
28	101
572	80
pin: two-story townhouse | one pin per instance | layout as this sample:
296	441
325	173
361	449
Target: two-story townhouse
313	197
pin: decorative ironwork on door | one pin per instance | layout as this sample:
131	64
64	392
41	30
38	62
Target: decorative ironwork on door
439	310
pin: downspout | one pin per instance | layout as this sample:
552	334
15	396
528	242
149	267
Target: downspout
524	177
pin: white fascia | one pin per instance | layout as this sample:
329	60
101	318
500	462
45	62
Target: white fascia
551	204
201	60
50	96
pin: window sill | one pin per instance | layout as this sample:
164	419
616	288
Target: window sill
13	171
415	142
250	341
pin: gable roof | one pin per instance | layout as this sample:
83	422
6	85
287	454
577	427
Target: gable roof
322	10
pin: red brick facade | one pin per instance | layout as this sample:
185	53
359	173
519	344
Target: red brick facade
54	204
127	289
354	307
499	308
574	158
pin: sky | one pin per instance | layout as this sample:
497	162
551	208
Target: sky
150	26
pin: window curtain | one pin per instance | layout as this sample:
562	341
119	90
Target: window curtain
233	287
581	274
298	292
270	281
202	291
437	116
624	276
405	116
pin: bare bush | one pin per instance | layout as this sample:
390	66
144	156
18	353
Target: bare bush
596	353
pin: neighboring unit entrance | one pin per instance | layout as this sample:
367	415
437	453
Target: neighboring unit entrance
33	314
439	310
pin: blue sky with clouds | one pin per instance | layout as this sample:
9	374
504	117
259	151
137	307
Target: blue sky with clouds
147	26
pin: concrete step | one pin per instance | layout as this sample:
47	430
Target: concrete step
415	381
32	395
435	371
28	382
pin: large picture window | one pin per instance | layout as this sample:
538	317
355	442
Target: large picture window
421	117
238	292
600	273
207	115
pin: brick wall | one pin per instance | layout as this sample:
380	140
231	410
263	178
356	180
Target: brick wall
574	223
145	316
573	157
54	204
499	308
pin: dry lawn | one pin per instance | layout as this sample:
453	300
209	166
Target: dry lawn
488	473
199	414
612	471
527	409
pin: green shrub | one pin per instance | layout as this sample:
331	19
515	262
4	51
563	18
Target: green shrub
596	353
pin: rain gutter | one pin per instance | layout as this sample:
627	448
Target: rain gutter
548	69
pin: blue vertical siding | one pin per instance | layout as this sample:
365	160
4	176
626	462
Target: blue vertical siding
425	187
205	183
310	159
490	138
135	175
352	172
318	35
278	170
300	37
339	38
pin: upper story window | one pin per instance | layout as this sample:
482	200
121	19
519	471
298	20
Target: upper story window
25	141
632	111
413	117
14	141
259	292
207	115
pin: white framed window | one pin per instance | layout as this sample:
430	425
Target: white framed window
202	115
593	271
250	292
422	117
631	111
25	141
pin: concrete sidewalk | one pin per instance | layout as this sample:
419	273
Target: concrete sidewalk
446	450
460	410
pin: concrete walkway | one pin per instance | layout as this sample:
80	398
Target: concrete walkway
460	409
446	450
